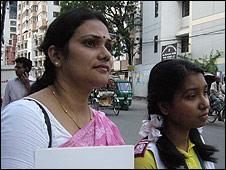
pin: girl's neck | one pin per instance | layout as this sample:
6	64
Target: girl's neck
178	136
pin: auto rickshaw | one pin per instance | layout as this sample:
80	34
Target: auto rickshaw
117	94
123	92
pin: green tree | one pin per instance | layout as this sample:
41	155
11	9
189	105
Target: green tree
208	62
123	17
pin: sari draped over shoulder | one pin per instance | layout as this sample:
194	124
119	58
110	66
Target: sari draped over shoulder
100	131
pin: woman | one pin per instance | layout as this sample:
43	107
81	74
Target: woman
77	46
177	105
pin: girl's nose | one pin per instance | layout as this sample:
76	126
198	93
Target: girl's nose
205	103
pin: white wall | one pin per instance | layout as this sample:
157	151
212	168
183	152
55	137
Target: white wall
207	17
7	72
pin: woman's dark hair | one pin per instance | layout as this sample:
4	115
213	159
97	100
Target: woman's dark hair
58	34
165	79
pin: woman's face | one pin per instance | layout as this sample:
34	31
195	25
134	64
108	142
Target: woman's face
190	106
90	61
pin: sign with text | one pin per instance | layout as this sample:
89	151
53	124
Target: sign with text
169	51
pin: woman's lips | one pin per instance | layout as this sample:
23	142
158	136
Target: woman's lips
102	68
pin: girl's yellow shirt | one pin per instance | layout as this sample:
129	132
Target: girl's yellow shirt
148	161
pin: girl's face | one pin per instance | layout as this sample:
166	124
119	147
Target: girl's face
190	106
90	61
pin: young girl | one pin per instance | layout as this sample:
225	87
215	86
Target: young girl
178	106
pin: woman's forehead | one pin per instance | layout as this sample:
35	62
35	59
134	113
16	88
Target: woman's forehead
94	28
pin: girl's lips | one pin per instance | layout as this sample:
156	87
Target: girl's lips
204	116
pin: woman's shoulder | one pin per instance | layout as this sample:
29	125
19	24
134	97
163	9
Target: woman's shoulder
22	110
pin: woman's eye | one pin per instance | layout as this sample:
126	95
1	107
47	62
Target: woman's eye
206	92
109	47
89	43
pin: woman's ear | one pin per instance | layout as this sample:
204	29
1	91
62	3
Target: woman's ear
54	56
163	107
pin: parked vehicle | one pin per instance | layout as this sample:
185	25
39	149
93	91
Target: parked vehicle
117	94
124	93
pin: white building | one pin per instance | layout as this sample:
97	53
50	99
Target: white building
172	28
9	33
33	20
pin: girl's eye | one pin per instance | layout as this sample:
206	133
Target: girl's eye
190	96
89	43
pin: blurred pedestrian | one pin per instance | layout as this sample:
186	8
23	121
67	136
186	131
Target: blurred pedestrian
17	88
216	95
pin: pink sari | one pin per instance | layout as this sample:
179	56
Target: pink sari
101	131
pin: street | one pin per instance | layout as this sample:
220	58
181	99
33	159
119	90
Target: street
129	123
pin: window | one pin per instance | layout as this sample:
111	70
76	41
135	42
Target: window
156	44
12	36
13	23
156	9
184	44
185	8
56	3
55	14
12	29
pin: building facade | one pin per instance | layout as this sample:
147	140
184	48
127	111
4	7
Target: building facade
172	28
9	33
33	20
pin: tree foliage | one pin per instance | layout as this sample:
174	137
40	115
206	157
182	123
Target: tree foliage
208	62
123	17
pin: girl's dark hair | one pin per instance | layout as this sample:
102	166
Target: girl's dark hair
58	34
165	79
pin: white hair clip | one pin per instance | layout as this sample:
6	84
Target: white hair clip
149	128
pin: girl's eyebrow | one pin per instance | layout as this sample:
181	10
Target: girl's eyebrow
96	37
194	88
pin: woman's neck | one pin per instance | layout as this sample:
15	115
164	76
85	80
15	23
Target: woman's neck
75	99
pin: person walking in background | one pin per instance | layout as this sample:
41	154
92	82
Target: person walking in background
77	46
216	95
18	87
178	107
216	88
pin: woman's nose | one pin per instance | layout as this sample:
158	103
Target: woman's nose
104	54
